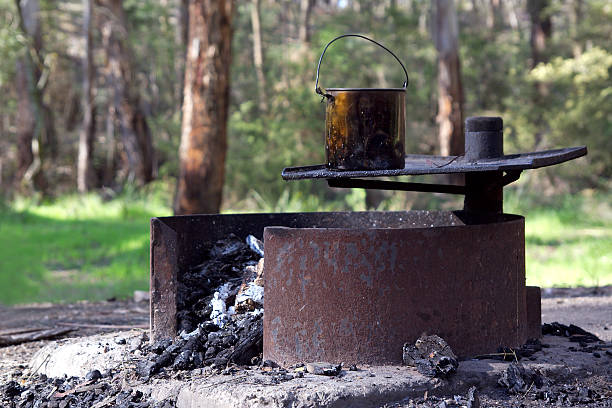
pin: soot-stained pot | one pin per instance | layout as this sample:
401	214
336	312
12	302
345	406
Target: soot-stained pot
364	127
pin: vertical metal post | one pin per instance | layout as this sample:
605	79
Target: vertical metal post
483	140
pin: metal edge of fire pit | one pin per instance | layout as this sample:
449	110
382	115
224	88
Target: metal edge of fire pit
163	276
534	312
427	164
179	242
357	295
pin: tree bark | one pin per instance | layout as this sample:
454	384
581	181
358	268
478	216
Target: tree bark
34	121
85	174
541	30
495	16
26	124
132	121
450	89
205	107
258	57
576	11
182	34
306	7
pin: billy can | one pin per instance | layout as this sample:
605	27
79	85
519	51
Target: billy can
364	127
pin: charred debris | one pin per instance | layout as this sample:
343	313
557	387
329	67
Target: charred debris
219	311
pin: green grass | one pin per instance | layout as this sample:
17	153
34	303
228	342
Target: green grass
75	248
85	248
568	241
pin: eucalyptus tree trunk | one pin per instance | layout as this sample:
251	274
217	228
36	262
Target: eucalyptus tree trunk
575	14
34	121
258	59
182	34
205	107
85	174
306	7
495	15
541	31
450	89
136	137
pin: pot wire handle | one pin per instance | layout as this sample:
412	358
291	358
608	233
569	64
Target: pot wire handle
318	89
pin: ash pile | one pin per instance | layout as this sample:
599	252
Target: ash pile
219	311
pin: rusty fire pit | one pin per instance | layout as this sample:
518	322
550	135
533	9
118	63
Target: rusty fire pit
356	295
353	287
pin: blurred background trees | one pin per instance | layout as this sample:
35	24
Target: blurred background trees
92	90
93	93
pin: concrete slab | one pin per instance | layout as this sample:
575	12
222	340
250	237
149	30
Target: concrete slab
75	357
254	388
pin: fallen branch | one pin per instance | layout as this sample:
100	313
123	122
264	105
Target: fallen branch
79	388
28	335
105	326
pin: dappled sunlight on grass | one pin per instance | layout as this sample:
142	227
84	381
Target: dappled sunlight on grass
570	245
75	248
87	248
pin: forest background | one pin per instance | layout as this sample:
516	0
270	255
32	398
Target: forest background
77	188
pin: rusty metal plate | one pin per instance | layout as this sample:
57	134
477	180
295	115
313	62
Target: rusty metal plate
427	164
356	295
534	312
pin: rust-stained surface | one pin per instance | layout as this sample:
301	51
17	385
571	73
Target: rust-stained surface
365	128
354	286
164	269
534	312
356	295
178	243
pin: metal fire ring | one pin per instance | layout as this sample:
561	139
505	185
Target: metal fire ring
356	295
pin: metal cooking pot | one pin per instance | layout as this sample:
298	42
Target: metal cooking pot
364	127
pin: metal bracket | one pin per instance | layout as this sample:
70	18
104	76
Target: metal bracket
509	177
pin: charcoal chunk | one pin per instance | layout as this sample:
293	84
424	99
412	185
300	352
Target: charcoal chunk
431	356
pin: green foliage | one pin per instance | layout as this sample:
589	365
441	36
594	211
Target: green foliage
578	108
11	40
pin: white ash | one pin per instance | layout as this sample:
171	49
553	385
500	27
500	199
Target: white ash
256	312
255	245
253	292
248	298
220	313
186	336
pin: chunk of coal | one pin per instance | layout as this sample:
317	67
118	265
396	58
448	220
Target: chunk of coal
322	368
269	363
513	379
166	358
517	378
12	389
431	356
249	340
573	332
93	375
159	346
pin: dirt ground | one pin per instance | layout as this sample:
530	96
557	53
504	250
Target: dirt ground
588	308
86	318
